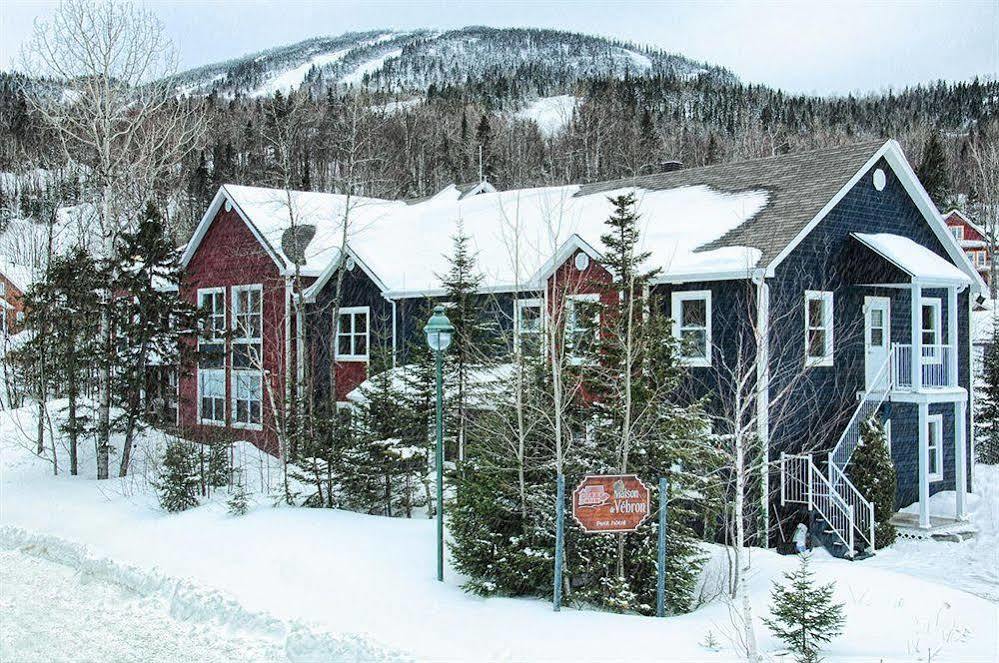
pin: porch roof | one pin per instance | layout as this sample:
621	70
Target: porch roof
914	259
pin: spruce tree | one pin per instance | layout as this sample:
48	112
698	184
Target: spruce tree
178	483
238	503
932	171
804	617
872	471
987	419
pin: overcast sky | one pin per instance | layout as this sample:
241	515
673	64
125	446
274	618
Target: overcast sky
822	47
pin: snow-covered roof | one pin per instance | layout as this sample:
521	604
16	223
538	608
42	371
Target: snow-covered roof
20	275
704	223
483	383
912	258
514	233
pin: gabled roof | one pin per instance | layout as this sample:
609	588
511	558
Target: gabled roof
724	221
963	218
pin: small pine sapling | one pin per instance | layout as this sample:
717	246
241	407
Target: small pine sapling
804	617
238	499
872	471
178	483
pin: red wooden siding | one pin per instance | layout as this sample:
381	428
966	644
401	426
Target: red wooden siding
230	255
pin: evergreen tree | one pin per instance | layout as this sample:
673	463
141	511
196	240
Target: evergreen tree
932	169
150	321
473	341
238	502
987	419
178	483
484	139
804	617
62	313
872	471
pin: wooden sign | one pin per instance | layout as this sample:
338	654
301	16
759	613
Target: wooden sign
610	503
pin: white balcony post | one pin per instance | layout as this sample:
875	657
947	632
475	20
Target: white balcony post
960	457
952	336
783	469
916	363
924	466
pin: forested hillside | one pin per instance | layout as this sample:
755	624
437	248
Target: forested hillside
524	107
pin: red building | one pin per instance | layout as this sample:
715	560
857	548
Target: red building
14	282
972	239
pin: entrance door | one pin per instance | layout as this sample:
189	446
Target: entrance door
877	334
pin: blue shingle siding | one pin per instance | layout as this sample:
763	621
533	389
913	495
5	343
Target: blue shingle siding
357	289
731	329
829	259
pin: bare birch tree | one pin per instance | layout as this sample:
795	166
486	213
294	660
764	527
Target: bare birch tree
109	110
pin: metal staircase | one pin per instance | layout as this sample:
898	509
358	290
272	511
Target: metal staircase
844	518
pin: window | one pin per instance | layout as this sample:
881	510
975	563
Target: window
211	357
818	328
3	288
211	301
958	231
582	324
691	313
527	323
352	334
211	396
930	329
981	258
247	355
934	443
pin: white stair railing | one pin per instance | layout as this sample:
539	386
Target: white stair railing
870	402
863	510
802	483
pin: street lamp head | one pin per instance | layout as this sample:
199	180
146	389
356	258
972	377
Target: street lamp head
439	330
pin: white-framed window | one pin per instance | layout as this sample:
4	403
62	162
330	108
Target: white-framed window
352	333
818	328
930	328
934	443
211	396
958	231
3	288
691	313
582	324
247	356
211	301
528	317
981	258
211	357
247	399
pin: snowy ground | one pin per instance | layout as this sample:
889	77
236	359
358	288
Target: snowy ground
369	581
52	613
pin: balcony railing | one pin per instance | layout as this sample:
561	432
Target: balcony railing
935	367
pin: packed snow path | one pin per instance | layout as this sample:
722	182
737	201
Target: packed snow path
50	612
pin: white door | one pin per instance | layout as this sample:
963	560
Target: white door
877	334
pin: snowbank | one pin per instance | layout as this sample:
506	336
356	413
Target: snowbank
374	578
191	602
551	114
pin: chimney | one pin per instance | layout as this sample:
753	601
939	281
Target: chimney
669	166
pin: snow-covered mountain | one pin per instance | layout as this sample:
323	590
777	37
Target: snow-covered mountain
539	61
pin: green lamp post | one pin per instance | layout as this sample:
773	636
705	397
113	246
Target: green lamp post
439	331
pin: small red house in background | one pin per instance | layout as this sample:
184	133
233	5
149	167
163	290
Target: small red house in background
972	239
14	282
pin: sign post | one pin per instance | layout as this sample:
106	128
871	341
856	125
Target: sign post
610	503
661	561
559	540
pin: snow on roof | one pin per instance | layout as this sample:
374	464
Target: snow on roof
274	211
915	259
514	233
21	276
483	382
982	321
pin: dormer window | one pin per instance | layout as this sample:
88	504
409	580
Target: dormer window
957	231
